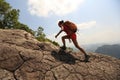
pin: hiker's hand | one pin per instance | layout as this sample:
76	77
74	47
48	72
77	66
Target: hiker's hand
56	36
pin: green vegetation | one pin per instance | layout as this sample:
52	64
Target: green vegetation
40	35
9	19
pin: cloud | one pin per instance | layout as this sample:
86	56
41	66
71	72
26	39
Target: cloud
101	36
58	7
86	25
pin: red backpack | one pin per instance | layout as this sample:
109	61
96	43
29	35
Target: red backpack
71	26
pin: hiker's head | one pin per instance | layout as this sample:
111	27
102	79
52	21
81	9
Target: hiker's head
60	23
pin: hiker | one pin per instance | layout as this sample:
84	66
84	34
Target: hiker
70	28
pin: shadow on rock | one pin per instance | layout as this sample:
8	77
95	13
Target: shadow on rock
64	56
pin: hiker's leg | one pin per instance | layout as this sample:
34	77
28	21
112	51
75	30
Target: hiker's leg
82	50
63	40
77	46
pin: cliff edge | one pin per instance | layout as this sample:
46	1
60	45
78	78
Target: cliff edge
22	57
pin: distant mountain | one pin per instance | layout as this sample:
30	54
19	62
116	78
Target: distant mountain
112	50
92	47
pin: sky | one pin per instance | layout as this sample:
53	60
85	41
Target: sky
98	21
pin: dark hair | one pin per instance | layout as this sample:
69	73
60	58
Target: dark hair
60	22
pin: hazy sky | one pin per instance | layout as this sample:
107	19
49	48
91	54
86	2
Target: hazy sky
98	21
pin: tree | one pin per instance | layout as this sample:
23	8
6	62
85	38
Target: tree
4	7
40	34
11	19
8	16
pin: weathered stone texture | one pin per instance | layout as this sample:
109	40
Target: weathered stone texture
22	57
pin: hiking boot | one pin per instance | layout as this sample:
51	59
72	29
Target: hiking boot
86	58
63	47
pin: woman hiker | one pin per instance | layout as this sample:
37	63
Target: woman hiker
70	35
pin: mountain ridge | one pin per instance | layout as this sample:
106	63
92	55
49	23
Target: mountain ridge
112	50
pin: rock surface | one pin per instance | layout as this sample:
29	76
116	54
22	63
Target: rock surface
22	57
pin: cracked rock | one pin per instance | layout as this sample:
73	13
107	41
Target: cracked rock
22	57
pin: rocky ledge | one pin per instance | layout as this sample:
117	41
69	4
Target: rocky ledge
22	57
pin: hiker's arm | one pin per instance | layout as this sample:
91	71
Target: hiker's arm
58	33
